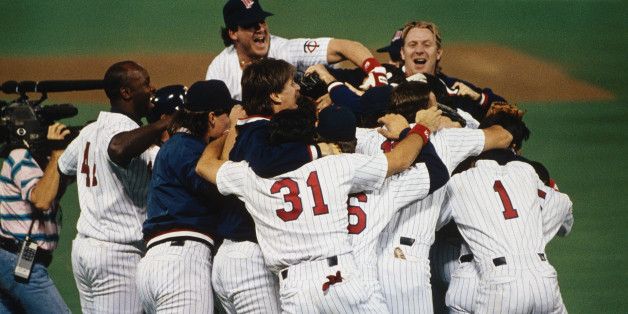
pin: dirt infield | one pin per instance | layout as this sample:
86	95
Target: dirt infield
514	75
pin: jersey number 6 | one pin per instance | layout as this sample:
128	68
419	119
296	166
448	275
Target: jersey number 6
320	208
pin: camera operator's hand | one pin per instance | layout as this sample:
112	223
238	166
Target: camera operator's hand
322	72
57	132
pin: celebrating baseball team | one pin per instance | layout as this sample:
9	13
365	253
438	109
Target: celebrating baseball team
282	183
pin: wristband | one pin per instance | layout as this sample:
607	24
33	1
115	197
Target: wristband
404	133
333	84
421	131
370	64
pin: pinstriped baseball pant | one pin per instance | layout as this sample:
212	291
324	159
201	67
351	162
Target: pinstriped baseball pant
241	280
302	289
461	294
176	279
105	275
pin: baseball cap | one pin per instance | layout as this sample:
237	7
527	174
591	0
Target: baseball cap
243	12
375	99
209	95
167	100
395	44
336	124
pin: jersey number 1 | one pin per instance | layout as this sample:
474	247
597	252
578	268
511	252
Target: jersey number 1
85	168
293	197
509	212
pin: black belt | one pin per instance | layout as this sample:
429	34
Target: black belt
466	258
502	260
406	241
42	256
180	241
331	261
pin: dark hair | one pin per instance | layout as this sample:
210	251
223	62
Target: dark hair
195	122
224	33
292	125
345	146
117	76
512	124
408	98
260	80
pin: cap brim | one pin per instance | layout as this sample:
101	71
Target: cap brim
253	18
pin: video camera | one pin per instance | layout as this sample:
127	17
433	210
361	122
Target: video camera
24	123
311	85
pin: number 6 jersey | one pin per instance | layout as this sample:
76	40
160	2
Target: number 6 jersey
302	215
112	198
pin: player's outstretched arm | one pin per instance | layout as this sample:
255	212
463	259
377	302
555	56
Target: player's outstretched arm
46	190
496	137
408	149
127	145
209	163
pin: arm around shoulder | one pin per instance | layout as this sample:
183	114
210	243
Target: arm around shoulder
209	163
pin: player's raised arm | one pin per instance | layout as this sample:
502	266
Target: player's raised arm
496	137
208	165
341	49
408	149
130	144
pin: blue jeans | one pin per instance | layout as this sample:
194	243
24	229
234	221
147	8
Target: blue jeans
39	295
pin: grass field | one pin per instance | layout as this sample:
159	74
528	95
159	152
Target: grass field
582	143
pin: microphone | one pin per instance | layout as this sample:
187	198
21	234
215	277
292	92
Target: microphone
57	112
13	87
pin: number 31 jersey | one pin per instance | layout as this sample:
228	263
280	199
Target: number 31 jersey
302	215
112	198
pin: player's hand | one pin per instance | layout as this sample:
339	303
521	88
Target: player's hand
322	72
57	131
237	112
377	77
323	102
328	149
466	92
430	118
395	123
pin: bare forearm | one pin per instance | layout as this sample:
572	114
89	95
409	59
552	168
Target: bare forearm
209	163
229	142
128	145
404	154
343	49
496	137
45	191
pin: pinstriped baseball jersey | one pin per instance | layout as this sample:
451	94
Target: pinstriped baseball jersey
112	198
300	52
20	173
302	215
418	220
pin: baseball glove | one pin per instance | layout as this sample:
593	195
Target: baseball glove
511	109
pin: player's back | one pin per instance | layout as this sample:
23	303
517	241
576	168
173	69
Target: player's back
112	198
497	209
302	215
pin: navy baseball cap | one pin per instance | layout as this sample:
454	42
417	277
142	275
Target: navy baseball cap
167	100
375	99
209	96
243	12
395	44
336	124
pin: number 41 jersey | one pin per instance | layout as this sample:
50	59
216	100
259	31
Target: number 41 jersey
112	198
302	215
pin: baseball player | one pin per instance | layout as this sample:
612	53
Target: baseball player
183	208
304	235
110	162
248	39
403	266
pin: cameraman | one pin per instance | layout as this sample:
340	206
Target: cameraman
30	204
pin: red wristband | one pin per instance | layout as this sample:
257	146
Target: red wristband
422	131
370	64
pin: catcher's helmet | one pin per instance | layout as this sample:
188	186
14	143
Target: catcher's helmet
167	100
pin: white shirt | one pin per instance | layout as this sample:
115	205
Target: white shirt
300	52
112	198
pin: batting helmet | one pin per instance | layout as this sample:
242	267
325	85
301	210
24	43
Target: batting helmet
167	100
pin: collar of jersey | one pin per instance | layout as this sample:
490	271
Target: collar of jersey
116	110
251	119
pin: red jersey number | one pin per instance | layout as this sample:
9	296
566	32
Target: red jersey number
358	212
85	168
509	211
293	197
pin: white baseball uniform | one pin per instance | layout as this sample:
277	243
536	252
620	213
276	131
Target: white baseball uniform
300	52
403	266
464	281
109	243
498	212
301	224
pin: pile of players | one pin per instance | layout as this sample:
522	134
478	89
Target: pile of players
409	197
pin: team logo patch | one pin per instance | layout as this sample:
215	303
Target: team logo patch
397	35
248	3
310	46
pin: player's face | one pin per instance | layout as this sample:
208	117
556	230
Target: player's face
288	96
141	91
218	125
420	52
252	41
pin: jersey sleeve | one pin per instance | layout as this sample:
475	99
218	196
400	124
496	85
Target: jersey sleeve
300	52
68	162
370	172
231	178
410	185
462	144
25	173
556	210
